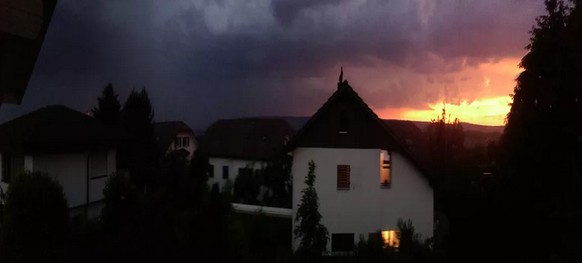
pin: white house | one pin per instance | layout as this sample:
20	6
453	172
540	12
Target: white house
366	178
176	136
69	146
239	146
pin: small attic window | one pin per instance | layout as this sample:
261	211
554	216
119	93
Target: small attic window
343	122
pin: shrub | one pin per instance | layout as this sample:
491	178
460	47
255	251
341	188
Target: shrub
35	220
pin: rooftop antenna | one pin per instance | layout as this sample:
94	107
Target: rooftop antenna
341	77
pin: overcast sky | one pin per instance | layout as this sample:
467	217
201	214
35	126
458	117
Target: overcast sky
205	60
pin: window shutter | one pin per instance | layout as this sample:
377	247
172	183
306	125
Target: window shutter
343	177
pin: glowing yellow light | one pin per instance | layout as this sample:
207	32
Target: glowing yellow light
390	238
487	111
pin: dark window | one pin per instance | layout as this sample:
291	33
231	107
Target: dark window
245	171
225	172
211	170
99	164
11	166
343	177
177	142
6	168
185	142
342	242
343	122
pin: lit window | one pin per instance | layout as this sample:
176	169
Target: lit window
385	169
391	238
343	177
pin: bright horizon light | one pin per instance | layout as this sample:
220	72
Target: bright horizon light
486	111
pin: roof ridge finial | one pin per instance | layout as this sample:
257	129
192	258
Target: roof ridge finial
341	77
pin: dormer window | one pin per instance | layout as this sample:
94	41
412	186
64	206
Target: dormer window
385	169
343	122
182	142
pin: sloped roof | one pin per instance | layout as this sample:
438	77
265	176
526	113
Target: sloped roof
247	138
396	142
23	26
54	128
165	132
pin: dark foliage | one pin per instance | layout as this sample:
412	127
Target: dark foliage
539	180
269	186
312	234
139	152
411	248
34	220
108	110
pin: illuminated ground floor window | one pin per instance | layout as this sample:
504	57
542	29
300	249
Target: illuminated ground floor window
391	238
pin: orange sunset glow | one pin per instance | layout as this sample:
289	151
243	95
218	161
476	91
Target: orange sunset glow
482	96
486	111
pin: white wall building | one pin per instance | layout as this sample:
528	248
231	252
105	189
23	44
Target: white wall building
176	136
68	146
243	145
366	179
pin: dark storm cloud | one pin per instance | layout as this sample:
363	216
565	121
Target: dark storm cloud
285	11
204	60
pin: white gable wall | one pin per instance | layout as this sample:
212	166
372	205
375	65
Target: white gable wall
191	147
366	207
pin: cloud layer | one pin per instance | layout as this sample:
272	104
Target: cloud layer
203	60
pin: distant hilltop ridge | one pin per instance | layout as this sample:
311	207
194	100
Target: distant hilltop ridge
475	134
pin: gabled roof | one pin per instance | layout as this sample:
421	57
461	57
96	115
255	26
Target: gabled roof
248	138
54	128
390	139
166	132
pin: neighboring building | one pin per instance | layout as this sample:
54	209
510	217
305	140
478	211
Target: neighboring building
175	136
243	145
23	26
366	177
69	146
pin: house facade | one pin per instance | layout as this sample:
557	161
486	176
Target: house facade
366	178
239	146
176	136
65	144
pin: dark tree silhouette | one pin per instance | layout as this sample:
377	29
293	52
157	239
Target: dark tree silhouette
35	220
446	140
309	230
108	110
139	152
540	150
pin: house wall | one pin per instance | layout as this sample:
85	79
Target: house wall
233	166
191	148
366	207
70	170
97	184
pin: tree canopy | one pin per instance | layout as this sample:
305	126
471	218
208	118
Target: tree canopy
108	109
540	150
309	230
